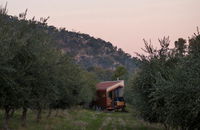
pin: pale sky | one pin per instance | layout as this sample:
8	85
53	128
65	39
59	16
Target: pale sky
122	22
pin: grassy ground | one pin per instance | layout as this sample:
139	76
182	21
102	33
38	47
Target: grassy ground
82	119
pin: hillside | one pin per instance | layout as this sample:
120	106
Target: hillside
86	50
92	52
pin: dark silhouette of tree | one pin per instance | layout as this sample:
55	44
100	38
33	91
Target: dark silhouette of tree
180	46
165	88
34	73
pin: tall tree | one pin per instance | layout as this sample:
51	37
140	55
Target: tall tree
120	73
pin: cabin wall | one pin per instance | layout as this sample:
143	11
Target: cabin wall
101	99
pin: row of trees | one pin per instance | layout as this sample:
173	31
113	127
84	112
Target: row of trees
166	88
34	74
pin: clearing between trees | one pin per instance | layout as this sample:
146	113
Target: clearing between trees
82	119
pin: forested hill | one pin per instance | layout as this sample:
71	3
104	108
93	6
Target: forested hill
92	52
87	50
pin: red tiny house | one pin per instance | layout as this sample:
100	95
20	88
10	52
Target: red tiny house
109	95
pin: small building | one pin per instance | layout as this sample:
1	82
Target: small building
109	94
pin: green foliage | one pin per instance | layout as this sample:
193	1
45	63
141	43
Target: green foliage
101	74
34	73
194	46
181	46
88	81
120	73
166	87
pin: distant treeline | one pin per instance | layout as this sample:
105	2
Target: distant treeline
166	87
34	73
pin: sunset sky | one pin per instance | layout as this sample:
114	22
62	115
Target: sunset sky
122	22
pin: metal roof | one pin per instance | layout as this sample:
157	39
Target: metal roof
109	85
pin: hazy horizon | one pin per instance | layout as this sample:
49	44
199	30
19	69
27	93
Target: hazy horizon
123	23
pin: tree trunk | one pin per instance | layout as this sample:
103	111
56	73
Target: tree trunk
57	111
24	115
12	111
166	126
49	113
63	112
6	118
39	115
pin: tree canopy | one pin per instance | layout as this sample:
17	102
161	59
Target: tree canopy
166	87
34	72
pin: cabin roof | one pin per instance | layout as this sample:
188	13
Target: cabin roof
108	85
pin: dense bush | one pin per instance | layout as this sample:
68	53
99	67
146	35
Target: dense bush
166	87
34	73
